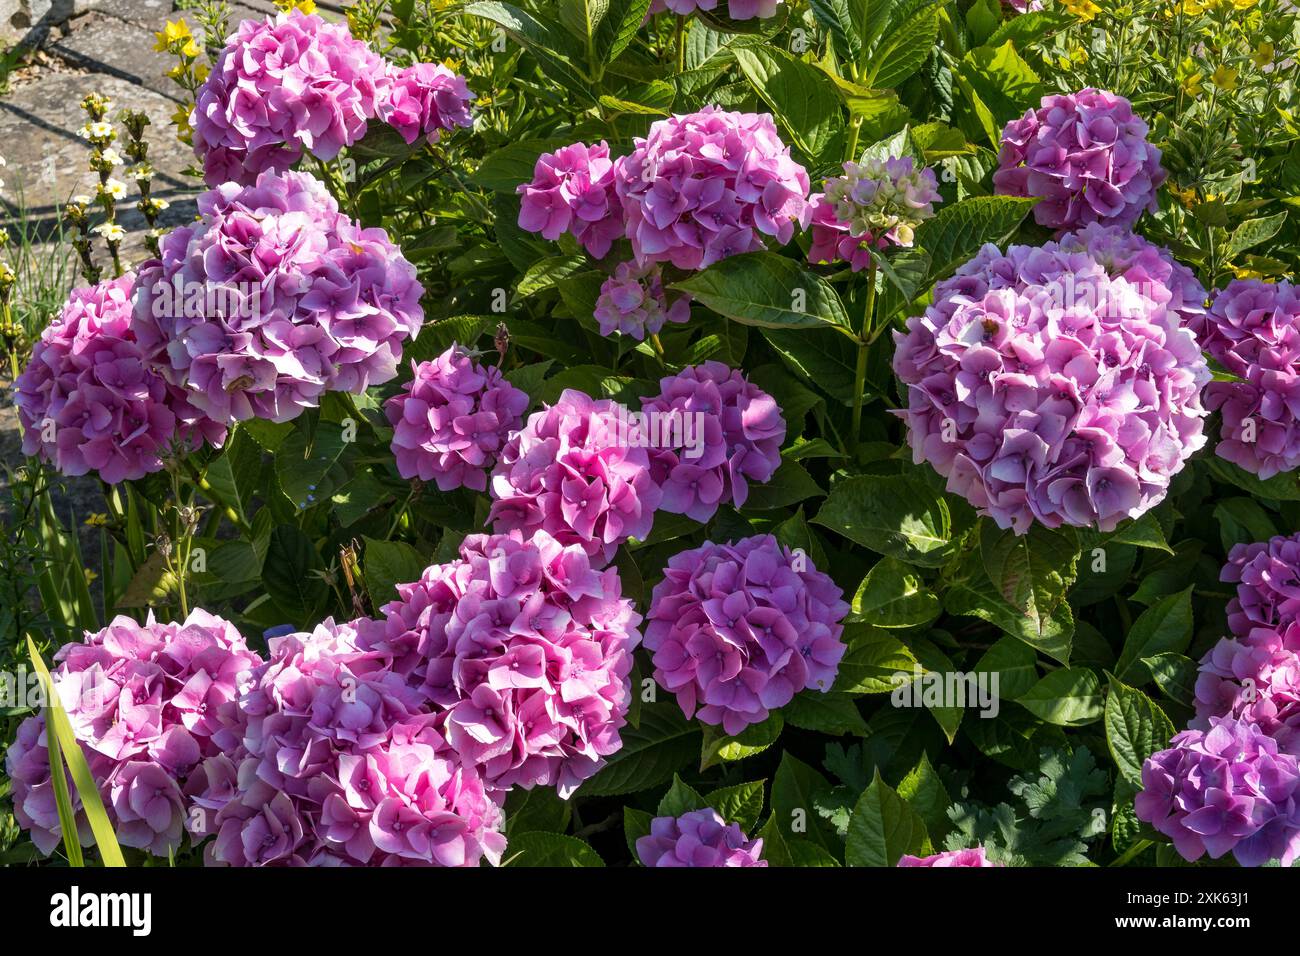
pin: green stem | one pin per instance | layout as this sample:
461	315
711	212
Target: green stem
212	495
1131	853
864	344
679	32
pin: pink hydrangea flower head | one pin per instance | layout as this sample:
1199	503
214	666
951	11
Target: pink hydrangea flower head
572	191
272	298
525	649
1256	680
579	471
452	419
712	433
972	857
89	401
698	838
736	630
1226	789
1057	383
147	703
1252	329
1267	576
735	9
704	186
425	99
1024	6
876	204
633	302
1085	156
282	86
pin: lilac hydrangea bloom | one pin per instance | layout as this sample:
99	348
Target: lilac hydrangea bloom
572	191
1253	330
708	185
1085	155
876	204
1256	680
525	648
341	766
713	433
1267	575
273	298
579	471
736	630
735	9
284	85
632	301
425	99
1226	789
89	401
698	838
1057	383
972	857
147	703
450	421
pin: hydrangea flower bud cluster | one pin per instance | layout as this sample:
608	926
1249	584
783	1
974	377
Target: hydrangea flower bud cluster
295	299
1252	329
715	432
876	204
696	839
1057	383
89	401
452	419
736	630
147	703
1085	155
972	857
524	648
633	302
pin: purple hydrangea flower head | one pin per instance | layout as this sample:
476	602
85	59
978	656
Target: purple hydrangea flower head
1252	329
1057	383
272	298
876	204
341	765
89	401
735	9
1256	680
698	838
1226	789
452	419
572	191
1024	6
972	857
633	301
712	433
289	84
578	470
1085	156
1267	575
704	186
736	630
425	99
525	649
147	703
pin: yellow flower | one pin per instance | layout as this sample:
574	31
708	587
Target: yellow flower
1192	85
191	49
1243	4
90	575
1185	196
1083	9
1263	55
1225	78
172	33
97	520
303	6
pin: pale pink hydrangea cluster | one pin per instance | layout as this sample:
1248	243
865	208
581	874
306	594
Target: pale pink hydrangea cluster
735	9
294	299
877	203
579	471
89	401
425	99
1058	383
452	419
972	857
714	433
736	630
148	704
524	649
633	302
698	838
572	191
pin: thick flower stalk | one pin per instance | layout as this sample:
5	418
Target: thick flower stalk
572	190
736	630
1229	789
1267	576
633	302
340	766
972	857
525	651
452	419
424	100
147	703
1085	156
712	433
89	401
1252	329
1057	383
578	470
272	298
876	204
698	838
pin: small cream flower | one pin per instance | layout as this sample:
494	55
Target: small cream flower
111	231
115	188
